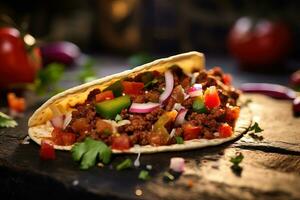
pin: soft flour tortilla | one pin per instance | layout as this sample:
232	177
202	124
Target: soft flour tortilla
40	128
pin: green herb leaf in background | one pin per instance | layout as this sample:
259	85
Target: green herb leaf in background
89	151
87	73
144	175
6	121
256	128
236	168
48	78
125	164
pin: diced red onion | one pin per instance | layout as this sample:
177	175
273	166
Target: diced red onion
296	106
180	117
195	90
178	107
143	107
68	118
272	90
169	79
58	121
177	164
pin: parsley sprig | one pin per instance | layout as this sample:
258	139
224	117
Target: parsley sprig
89	151
256	128
235	167
6	121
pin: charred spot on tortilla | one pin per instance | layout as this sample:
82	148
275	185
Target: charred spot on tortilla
184	100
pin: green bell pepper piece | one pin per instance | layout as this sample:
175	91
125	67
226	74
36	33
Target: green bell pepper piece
110	108
116	88
199	106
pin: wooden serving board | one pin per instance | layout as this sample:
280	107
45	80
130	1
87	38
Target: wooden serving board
271	167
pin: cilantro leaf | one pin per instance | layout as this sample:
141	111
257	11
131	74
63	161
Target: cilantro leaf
236	168
6	121
125	164
256	128
87	73
88	151
48	78
179	140
144	175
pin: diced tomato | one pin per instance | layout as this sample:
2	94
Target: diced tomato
68	138
16	103
232	113
57	136
121	142
225	130
227	79
211	98
132	87
106	95
47	151
191	132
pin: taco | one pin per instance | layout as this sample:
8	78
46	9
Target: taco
171	104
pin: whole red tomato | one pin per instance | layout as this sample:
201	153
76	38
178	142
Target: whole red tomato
260	42
17	65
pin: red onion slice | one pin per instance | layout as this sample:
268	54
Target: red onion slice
195	90
143	107
67	120
272	90
180	117
169	78
58	121
177	164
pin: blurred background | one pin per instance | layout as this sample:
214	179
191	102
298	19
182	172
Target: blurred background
240	35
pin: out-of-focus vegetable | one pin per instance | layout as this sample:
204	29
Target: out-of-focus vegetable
195	90
58	121
177	164
144	175
18	64
6	121
15	103
259	43
227	79
87	72
47	151
180	118
295	80
110	108
272	90
48	78
89	151
255	128
139	59
61	52
198	105
236	160
125	164
296	106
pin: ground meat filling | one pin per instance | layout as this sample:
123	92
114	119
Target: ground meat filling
87	123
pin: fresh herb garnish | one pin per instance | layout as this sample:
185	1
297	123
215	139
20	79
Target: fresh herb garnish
144	175
6	121
179	140
87	74
88	151
48	78
118	118
125	164
236	168
168	177
256	128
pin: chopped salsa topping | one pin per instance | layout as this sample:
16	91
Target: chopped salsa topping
154	108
